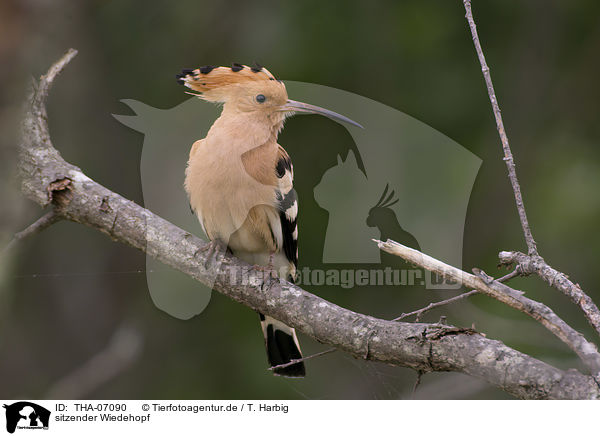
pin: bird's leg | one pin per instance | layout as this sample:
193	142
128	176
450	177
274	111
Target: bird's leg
212	250
268	271
271	266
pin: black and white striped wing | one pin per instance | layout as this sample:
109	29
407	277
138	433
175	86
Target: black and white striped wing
288	207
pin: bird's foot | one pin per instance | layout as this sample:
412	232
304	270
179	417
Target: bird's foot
211	251
271	266
268	272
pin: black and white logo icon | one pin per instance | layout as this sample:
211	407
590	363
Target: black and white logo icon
26	415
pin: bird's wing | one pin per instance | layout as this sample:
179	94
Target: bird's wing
287	203
195	147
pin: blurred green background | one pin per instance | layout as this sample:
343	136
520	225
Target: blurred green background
70	294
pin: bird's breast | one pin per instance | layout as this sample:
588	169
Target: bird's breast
229	190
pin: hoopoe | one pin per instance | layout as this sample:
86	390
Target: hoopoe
240	181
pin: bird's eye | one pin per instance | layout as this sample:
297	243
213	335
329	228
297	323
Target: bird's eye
260	98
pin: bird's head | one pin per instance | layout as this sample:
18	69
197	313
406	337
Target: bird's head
249	90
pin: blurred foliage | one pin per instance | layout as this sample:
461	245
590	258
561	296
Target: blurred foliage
65	291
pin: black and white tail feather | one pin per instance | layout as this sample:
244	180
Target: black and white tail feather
282	347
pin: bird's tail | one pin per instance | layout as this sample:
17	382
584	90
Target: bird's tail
282	347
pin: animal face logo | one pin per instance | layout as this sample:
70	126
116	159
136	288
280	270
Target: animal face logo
26	415
401	179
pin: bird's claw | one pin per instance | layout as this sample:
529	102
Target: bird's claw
211	251
268	272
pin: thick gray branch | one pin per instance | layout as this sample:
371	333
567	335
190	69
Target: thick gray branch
47	178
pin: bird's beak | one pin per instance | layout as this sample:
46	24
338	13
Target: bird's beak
299	107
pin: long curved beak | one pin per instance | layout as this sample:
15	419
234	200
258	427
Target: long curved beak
299	107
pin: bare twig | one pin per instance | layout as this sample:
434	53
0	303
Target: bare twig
425	347
47	80
485	284
41	224
534	262
417	382
536	265
431	306
294	361
508	157
436	304
516	272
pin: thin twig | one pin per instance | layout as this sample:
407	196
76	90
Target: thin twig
555	278
47	79
436	304
508	157
516	272
431	306
417	382
294	361
41	224
485	284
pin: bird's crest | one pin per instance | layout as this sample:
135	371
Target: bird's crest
208	79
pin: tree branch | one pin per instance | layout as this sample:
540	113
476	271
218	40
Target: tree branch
41	224
534	262
431	306
483	283
528	265
47	179
508	157
460	297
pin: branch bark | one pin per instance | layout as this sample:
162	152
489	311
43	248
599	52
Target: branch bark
527	265
481	282
47	179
